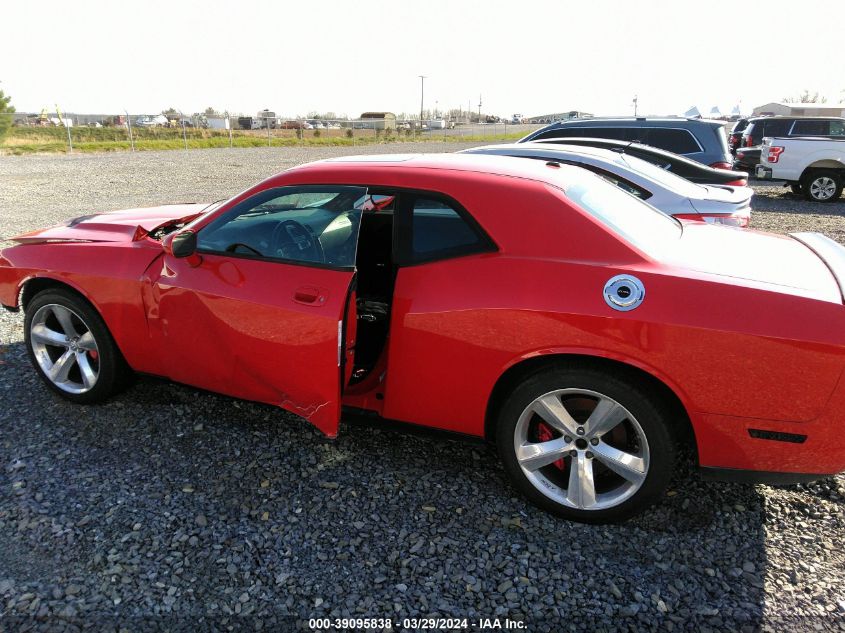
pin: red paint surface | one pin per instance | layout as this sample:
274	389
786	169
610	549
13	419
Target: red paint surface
745	328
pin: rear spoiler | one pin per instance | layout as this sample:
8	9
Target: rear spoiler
832	253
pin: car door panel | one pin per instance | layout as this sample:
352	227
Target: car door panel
255	329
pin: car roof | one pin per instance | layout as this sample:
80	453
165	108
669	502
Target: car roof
550	149
635	121
362	166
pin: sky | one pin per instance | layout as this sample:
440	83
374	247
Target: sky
529	57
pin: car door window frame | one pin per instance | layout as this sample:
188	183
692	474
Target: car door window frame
280	260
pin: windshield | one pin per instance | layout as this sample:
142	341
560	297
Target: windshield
667	179
639	223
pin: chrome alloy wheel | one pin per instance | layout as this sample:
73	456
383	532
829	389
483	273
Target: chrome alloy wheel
581	449
822	188
65	349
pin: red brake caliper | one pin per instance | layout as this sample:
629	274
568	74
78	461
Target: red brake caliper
544	434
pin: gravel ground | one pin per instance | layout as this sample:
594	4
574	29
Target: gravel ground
169	508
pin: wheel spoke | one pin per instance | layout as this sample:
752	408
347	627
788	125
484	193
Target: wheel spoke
551	409
537	455
89	376
63	315
45	335
87	342
604	417
61	368
624	464
582	488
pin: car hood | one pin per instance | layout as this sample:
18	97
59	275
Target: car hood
115	226
754	256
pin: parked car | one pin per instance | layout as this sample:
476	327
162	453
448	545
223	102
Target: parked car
735	137
675	163
760	127
582	332
698	139
814	167
665	191
747	159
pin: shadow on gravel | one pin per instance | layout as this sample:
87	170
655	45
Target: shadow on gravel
171	503
791	203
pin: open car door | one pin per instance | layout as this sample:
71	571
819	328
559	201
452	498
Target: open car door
261	308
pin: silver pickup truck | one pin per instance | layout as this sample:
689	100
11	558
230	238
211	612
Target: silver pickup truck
813	167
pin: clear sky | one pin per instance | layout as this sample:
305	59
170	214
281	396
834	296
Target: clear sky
528	56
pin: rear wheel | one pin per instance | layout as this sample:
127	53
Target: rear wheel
822	185
71	348
585	445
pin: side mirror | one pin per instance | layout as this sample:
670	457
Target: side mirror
183	244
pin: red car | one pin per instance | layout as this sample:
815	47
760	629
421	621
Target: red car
534	304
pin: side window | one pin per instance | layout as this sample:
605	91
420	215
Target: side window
438	231
772	127
309	225
672	140
837	128
811	128
561	132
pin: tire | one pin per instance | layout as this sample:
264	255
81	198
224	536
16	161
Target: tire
71	348
796	188
636	425
822	185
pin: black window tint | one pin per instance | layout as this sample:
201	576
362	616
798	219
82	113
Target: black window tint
837	128
561	132
438	230
308	224
672	140
811	128
773	127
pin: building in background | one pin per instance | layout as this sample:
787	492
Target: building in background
376	121
800	109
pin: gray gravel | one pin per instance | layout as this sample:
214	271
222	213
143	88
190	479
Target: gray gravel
172	508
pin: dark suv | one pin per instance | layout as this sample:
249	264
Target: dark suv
760	127
701	140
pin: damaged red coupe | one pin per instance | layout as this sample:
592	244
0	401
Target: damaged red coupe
530	303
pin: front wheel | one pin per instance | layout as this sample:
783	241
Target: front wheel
822	186
71	348
585	445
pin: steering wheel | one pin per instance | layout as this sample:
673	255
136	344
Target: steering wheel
292	240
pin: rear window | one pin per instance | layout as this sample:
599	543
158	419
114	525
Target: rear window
670	181
613	133
637	222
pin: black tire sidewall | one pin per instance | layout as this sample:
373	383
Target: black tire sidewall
112	365
645	407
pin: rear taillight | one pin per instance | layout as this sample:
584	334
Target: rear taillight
717	218
721	165
773	155
742	182
734	140
749	142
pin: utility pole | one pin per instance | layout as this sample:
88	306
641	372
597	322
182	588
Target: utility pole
422	97
129	125
635	105
479	108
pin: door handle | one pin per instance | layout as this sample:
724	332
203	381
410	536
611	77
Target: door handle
310	295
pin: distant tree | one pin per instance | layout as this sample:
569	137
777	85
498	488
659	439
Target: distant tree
6	112
806	97
209	111
170	112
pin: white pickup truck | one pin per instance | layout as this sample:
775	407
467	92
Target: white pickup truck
814	167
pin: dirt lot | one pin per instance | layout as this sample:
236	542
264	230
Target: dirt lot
176	508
